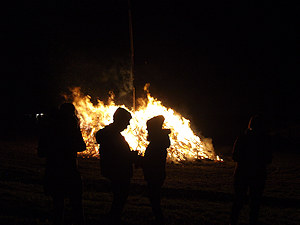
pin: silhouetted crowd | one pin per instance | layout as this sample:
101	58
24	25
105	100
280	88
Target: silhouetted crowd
61	139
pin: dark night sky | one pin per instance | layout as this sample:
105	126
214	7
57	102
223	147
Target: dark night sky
215	62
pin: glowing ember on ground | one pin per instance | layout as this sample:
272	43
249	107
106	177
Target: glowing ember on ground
185	145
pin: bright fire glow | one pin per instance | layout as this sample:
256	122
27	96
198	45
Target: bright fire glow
185	145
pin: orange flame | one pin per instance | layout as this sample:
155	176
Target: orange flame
185	145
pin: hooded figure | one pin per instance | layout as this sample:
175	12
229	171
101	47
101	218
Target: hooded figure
154	163
252	153
60	140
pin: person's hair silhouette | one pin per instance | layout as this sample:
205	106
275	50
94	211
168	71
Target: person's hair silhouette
59	142
116	160
252	153
154	163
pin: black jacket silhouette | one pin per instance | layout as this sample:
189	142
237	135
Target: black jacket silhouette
154	161
252	152
116	161
116	157
59	142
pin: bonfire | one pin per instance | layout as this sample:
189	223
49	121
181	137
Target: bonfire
185	144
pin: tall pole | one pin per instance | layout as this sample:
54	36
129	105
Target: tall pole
132	55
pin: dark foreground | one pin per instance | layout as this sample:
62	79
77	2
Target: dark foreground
199	193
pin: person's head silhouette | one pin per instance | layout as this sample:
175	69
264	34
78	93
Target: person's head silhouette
67	109
154	126
155	123
121	119
256	124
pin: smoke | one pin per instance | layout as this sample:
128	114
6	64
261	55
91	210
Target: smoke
119	76
99	77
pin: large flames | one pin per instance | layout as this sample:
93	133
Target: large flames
185	145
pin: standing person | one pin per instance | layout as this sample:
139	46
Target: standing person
154	163
59	142
252	153
116	160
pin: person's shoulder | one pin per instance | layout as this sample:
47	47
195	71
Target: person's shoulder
241	139
244	135
161	135
164	133
107	130
102	133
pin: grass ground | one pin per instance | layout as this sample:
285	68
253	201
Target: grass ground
199	193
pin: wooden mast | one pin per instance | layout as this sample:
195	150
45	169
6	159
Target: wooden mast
132	55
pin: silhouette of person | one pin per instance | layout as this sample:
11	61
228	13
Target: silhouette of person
60	140
154	163
252	153
116	161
